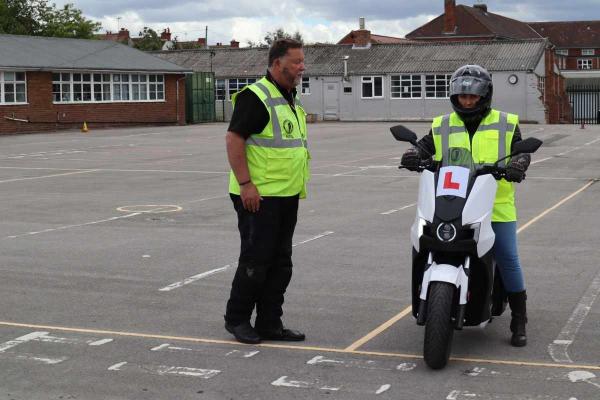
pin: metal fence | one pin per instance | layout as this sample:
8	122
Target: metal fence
585	104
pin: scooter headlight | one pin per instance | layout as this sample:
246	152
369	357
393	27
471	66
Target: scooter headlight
446	232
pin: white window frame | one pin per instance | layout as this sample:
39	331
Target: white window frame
438	80
405	86
10	78
305	86
238	84
81	87
584	63
370	80
562	52
588	52
220	89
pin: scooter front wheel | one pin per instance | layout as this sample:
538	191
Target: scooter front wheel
439	328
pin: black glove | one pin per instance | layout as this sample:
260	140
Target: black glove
515	171
411	159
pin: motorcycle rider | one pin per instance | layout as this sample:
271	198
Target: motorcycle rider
489	134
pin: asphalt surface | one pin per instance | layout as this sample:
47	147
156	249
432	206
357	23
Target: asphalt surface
119	246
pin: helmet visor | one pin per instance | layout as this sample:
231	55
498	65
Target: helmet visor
469	85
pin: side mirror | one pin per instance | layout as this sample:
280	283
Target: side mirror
529	145
403	134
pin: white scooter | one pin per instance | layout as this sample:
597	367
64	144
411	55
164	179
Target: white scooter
454	279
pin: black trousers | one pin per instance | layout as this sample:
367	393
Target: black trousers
265	263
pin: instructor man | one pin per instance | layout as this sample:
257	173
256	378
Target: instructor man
267	151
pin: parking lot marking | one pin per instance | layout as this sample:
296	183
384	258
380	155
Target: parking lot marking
398	209
319	236
60	228
379	329
194	278
197	277
20	340
559	348
522	363
554	207
47	176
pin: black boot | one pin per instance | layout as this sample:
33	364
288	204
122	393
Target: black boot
518	307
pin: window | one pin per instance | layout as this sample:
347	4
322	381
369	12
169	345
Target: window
541	85
100	87
437	86
237	84
305	85
406	86
584	63
372	87
347	89
562	52
13	87
220	91
587	52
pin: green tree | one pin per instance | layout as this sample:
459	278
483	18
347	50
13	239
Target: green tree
281	34
149	40
67	22
18	17
37	18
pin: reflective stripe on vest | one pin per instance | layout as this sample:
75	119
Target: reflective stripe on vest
277	140
502	126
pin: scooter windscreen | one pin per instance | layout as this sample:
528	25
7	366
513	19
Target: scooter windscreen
454	179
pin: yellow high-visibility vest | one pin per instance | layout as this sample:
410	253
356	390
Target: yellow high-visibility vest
491	142
278	156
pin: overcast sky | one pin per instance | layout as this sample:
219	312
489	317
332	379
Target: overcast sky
316	20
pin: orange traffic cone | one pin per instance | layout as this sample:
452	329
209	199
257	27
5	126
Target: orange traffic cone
84	128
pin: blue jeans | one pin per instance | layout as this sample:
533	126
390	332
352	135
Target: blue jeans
507	257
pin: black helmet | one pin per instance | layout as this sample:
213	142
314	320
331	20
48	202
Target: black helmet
471	79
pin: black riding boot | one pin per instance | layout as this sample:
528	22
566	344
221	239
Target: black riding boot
518	307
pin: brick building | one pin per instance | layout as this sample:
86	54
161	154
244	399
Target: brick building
52	83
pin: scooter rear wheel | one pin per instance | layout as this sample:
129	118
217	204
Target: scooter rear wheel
439	328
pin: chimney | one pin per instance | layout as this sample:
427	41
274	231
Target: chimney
235	44
361	37
123	34
202	42
449	16
166	35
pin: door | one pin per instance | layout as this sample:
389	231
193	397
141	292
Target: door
331	101
200	97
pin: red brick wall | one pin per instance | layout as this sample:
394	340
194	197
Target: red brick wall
43	115
558	108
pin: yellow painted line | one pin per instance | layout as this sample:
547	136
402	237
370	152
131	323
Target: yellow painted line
554	207
408	309
379	329
298	348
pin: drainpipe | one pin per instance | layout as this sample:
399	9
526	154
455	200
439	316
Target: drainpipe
177	98
345	58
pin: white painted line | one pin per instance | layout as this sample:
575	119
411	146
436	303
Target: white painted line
47	176
162	346
192	279
592	142
398	209
186	371
117	366
20	340
558	349
407	366
283	381
244	354
383	388
100	342
197	277
326	233
542	160
60	228
43	360
83	170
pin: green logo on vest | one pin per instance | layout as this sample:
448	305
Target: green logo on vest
288	127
